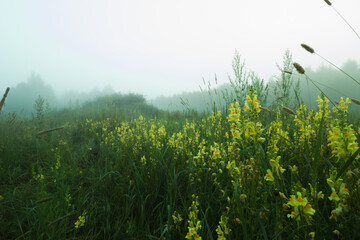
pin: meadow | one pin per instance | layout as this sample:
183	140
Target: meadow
258	164
118	168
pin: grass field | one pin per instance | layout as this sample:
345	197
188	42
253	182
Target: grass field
118	168
134	172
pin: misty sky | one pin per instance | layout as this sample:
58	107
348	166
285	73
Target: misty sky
162	47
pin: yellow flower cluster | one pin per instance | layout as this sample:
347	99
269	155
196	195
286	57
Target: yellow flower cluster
57	157
341	136
222	230
157	135
342	141
177	218
323	111
38	177
68	199
343	104
199	159
252	103
302	209
194	222
275	133
137	136
228	152
339	194
213	126
186	141
81	220
304	130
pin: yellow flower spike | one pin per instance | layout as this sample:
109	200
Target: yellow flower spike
81	221
193	222
301	206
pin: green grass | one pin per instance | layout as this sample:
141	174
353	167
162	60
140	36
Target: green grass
127	175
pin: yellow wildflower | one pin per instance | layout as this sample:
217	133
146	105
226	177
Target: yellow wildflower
269	176
80	222
334	196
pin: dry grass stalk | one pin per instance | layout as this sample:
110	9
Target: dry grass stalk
308	48
61	218
339	69
23	235
299	68
311	50
265	109
288	110
51	223
288	72
43	200
355	101
3	99
328	2
49	130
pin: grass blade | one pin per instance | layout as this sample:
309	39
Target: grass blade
347	163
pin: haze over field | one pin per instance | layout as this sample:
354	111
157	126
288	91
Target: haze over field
164	119
165	47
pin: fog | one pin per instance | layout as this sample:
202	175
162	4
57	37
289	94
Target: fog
164	47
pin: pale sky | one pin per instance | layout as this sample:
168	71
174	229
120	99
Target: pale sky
162	47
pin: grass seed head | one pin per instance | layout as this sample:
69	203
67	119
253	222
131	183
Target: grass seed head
2	102
265	109
307	48
288	110
355	101
299	68
328	2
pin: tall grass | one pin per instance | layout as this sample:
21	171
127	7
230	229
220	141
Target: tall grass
2	102
139	178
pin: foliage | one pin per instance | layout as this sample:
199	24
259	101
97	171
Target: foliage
24	95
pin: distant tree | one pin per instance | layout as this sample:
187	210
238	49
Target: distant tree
23	95
332	82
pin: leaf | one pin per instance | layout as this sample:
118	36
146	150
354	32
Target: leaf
347	163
